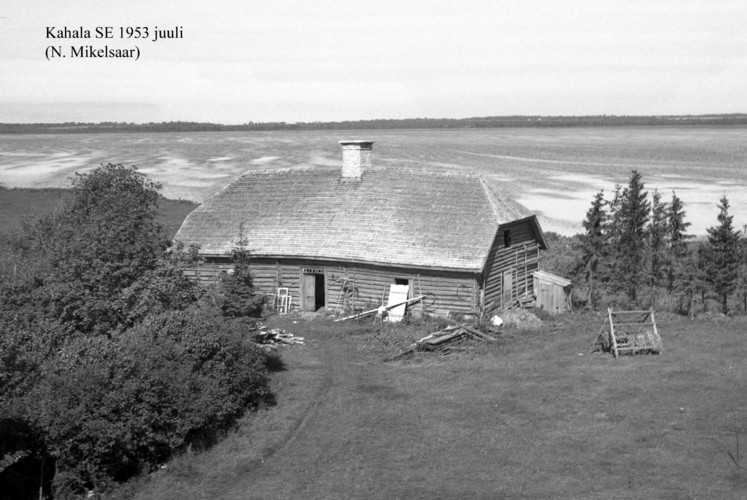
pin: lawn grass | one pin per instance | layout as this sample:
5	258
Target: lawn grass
531	416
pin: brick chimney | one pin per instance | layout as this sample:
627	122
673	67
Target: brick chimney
356	157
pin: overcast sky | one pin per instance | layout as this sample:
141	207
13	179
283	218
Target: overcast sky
246	60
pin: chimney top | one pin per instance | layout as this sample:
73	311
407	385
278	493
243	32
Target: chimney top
356	157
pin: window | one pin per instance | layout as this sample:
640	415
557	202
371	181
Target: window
507	238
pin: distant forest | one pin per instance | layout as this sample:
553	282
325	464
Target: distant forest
406	123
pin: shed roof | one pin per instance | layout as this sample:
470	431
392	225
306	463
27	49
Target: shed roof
406	216
552	278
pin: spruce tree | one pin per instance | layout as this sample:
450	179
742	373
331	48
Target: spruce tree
658	230
676	239
723	256
236	290
613	219
742	280
700	273
631	219
676	225
593	246
689	278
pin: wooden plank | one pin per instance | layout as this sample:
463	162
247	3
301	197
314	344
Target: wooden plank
612	332
660	345
473	331
444	338
373	311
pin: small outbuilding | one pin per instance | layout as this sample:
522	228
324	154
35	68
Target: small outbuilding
552	292
339	237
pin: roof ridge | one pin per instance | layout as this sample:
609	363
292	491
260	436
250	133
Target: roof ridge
292	168
490	194
429	170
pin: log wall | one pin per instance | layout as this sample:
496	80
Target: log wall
520	258
352	286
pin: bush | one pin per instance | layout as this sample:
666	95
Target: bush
104	349
74	265
111	408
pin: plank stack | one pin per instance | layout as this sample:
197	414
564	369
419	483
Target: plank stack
274	337
447	340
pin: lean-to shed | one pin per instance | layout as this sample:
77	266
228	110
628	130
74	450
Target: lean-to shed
339	237
553	293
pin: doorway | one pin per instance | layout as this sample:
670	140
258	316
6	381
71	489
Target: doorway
405	282
314	292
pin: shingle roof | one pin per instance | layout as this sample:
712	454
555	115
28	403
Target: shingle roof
408	217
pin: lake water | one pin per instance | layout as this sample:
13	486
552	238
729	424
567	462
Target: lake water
554	172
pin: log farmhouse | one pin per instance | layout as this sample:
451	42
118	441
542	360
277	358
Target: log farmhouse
339	238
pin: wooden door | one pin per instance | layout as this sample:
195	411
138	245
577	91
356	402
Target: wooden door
546	298
309	292
508	288
397	294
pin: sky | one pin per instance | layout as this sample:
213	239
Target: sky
325	60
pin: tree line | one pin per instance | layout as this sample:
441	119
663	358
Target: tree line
735	119
111	359
635	251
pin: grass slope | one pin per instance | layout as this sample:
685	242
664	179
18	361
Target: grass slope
533	416
19	205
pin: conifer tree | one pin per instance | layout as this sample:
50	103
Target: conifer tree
742	275
676	225
594	245
742	279
723	256
658	232
689	278
236	290
698	271
613	219
631	219
676	239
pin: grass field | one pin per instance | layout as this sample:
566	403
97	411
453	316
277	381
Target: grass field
533	416
20	205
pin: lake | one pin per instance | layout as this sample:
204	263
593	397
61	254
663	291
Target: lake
553	171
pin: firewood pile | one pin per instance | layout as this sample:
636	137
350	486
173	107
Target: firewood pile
447	340
274	337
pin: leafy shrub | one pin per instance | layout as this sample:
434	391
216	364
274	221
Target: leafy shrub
104	349
76	263
163	288
111	408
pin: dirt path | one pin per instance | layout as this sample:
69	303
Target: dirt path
320	453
